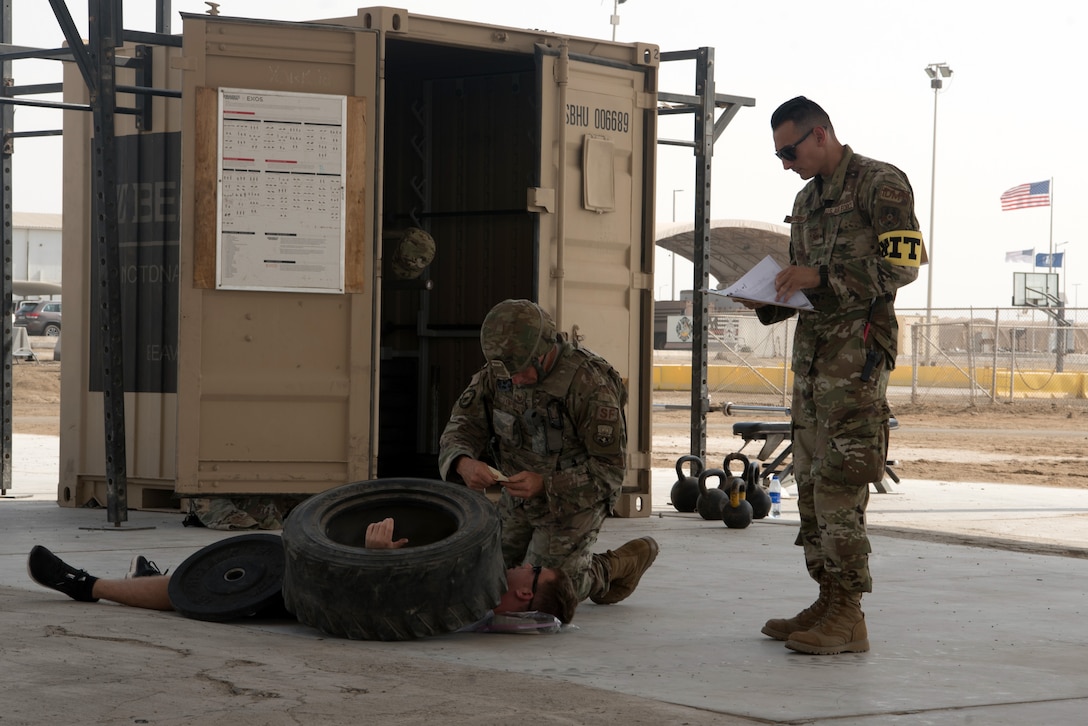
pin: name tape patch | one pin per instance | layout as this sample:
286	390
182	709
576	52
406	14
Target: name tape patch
893	195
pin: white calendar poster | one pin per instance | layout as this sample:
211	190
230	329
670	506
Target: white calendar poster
281	191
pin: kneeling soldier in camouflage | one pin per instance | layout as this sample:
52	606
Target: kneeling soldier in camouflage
550	416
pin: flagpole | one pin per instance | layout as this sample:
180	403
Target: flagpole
1059	331
1050	191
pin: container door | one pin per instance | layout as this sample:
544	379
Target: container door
275	376
595	204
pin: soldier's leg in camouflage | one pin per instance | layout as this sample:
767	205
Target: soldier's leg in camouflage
569	545
853	458
805	425
842	628
625	566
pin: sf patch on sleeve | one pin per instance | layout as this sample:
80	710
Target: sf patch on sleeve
606	430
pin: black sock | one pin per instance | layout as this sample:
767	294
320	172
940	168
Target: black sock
83	588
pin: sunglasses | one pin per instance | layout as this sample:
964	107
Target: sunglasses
789	153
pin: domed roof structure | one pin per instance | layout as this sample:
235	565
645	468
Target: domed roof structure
735	245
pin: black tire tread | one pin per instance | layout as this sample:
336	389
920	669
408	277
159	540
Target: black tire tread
348	591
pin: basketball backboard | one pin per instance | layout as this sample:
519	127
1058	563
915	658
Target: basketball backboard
1035	289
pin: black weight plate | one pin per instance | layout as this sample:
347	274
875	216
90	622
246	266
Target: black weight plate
233	578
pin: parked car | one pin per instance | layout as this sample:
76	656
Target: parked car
39	317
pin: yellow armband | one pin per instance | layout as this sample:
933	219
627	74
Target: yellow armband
903	247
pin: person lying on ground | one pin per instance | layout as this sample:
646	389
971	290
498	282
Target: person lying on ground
529	587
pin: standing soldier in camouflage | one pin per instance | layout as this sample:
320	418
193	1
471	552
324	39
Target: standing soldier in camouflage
854	241
550	417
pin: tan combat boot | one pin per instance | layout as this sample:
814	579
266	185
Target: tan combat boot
781	628
625	567
841	630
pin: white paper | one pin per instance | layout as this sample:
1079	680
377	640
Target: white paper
757	285
281	192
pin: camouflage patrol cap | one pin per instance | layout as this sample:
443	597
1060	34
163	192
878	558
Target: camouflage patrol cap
516	332
414	251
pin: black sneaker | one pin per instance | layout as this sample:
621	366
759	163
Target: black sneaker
48	570
143	567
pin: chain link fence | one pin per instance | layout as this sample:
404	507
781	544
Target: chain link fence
951	356
1002	354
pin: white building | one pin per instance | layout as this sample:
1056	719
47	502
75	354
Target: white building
36	247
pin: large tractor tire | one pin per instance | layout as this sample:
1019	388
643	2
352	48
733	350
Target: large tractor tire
448	575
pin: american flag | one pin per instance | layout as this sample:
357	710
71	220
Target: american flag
1036	194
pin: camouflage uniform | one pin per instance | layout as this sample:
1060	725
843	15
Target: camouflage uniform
569	427
413	252
241	513
859	228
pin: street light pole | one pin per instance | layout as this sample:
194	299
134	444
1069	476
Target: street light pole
937	72
673	283
616	16
1066	270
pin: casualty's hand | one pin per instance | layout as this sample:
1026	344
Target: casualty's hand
525	484
475	473
379	536
793	279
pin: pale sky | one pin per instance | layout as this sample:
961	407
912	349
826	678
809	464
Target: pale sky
1011	114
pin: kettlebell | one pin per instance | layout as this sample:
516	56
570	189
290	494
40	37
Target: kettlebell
760	500
739	478
737	512
752	472
710	502
685	492
757	496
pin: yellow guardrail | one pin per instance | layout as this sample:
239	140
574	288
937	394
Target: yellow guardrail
745	379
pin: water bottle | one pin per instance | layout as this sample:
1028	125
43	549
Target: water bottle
775	490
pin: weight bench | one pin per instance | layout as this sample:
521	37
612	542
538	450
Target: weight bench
772	434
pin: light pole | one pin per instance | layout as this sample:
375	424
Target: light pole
937	72
616	16
1060	321
673	283
1058	246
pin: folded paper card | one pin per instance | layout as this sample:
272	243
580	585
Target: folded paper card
757	285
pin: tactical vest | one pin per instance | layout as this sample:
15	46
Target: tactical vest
533	430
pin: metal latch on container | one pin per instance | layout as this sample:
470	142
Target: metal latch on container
540	199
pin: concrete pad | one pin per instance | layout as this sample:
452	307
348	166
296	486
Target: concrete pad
977	617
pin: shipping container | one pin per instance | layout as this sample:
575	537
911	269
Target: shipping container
271	347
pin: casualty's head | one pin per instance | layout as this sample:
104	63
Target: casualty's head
545	589
519	334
